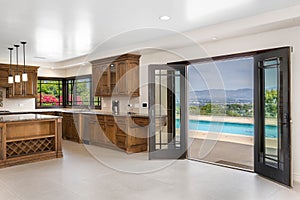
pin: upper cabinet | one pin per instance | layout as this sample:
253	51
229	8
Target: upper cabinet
3	76
26	89
118	75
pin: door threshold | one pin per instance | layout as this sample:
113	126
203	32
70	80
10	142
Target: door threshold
221	164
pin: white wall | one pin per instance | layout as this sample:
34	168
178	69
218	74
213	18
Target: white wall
17	104
48	72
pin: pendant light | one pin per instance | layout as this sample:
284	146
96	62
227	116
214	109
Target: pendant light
17	76
10	77
24	75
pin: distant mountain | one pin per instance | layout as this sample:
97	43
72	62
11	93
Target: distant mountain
219	95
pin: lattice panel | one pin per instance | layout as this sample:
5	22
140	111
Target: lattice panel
27	147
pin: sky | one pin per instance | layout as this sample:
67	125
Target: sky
229	75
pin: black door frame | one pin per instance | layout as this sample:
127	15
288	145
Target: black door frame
169	153
282	173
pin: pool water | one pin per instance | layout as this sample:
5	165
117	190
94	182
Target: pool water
228	127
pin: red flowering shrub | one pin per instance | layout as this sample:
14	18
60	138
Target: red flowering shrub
49	99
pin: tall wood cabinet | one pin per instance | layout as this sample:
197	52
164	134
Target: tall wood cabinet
23	89
118	75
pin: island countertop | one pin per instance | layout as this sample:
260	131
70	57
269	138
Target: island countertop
25	117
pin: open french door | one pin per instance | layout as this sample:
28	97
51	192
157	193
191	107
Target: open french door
167	111
272	156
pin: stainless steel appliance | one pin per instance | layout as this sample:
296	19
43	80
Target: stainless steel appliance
115	107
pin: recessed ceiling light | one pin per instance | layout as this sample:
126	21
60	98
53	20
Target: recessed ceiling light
165	18
214	38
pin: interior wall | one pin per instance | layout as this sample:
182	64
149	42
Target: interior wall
48	72
17	105
79	70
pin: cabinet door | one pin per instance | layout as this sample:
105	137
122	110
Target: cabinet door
4	72
69	128
101	80
18	87
121	78
30	87
110	133
133	82
138	135
96	77
121	136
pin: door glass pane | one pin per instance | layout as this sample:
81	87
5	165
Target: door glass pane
270	115
167	103
178	111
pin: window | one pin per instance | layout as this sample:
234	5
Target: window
79	91
50	92
66	92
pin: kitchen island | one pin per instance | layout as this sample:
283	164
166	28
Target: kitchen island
28	138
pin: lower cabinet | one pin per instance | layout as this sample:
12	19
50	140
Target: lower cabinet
110	130
71	127
123	133
138	135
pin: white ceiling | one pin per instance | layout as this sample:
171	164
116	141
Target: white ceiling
58	30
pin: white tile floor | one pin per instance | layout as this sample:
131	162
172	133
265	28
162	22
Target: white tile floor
97	173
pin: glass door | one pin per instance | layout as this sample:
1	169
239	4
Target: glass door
272	156
167	111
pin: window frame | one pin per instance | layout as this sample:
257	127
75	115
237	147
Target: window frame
39	93
73	80
65	94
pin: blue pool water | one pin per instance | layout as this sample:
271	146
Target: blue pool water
228	127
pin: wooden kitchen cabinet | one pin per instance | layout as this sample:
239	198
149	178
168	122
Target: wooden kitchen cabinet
101	80
137	135
128	77
71	127
110	129
121	132
19	90
126	133
26	89
4	72
118	75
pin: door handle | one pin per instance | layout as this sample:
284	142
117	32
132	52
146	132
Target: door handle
285	120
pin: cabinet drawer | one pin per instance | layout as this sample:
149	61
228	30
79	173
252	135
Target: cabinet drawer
110	119
138	121
101	118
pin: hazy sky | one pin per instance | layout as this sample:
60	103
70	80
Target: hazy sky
228	75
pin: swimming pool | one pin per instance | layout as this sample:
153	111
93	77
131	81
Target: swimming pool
228	127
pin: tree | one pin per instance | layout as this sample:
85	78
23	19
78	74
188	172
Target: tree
271	99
